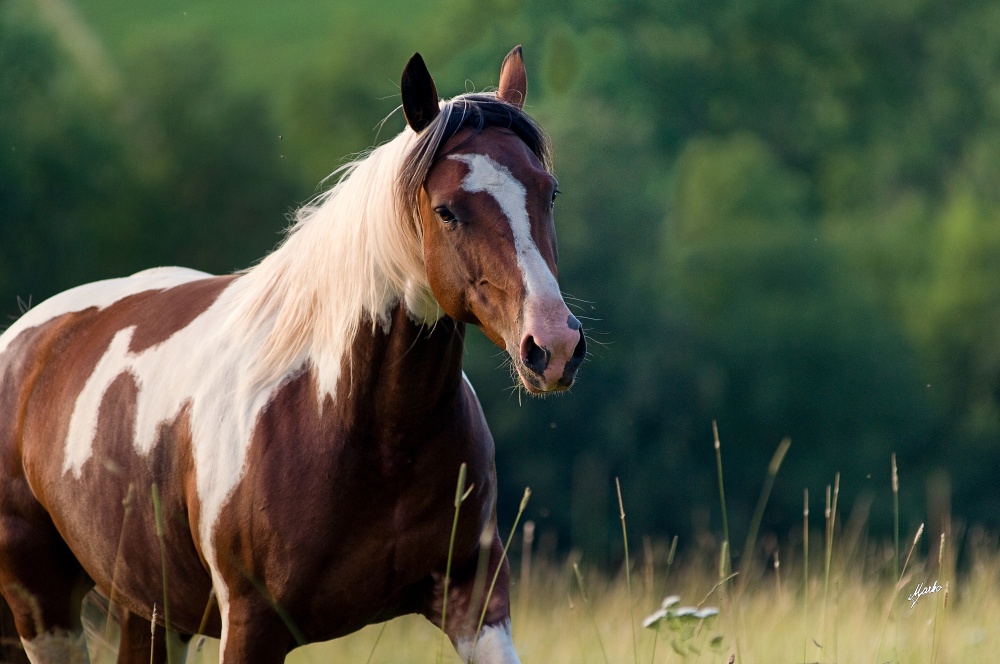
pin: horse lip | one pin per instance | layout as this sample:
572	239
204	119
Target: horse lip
533	383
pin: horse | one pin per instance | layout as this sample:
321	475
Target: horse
270	457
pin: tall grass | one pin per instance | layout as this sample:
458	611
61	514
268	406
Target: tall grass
872	609
558	623
574	614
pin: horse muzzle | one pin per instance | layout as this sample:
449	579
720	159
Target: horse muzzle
550	354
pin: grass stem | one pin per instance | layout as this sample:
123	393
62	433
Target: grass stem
666	589
460	495
895	591
128	503
722	493
805	571
895	518
831	524
628	574
895	534
375	645
158	513
938	618
496	572
590	611
758	513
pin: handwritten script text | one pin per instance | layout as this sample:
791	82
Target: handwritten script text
921	591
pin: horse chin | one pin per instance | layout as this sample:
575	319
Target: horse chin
536	385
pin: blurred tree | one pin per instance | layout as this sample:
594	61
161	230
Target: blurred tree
217	185
775	214
175	170
58	165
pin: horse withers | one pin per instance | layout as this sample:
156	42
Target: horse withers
271	457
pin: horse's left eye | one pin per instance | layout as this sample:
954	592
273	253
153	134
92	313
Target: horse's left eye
445	214
554	195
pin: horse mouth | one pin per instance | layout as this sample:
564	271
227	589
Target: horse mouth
534	385
537	384
547	357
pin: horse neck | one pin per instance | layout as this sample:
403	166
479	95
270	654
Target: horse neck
352	257
405	370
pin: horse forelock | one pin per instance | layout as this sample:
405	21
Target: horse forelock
478	112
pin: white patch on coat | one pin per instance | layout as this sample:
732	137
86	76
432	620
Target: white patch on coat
99	294
495	646
200	366
61	647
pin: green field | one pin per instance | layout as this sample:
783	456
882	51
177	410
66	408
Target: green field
857	619
853	615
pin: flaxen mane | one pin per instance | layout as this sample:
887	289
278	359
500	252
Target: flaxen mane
355	251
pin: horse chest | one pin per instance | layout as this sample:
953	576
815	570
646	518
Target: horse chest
345	513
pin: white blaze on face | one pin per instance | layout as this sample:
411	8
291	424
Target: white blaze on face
486	175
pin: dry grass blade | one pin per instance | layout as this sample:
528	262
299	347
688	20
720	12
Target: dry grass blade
496	573
628	574
590	611
758	513
460	495
895	592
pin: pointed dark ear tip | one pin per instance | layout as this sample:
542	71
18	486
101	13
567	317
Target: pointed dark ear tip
513	86
420	101
414	64
415	59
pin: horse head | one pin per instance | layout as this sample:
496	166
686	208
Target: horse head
485	209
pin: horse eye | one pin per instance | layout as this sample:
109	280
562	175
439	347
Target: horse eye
555	194
445	214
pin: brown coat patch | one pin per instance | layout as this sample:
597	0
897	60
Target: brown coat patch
344	515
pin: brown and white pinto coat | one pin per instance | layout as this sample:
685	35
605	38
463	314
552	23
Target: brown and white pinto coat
302	423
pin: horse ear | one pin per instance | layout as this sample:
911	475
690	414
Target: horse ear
420	97
513	80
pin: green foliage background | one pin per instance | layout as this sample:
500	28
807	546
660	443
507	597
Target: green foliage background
779	215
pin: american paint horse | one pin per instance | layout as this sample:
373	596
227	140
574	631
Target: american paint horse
301	424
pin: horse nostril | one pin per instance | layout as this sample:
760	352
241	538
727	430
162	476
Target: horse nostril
535	357
579	353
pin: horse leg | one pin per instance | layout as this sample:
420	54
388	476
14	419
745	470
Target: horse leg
43	585
492	644
136	641
44	591
11	650
253	632
139	643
